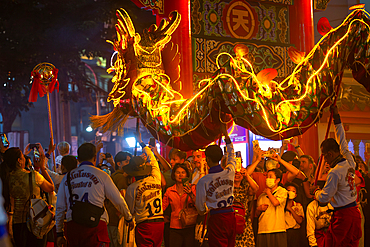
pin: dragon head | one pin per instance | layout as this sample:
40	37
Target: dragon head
138	55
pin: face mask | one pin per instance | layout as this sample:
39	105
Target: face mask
291	194
270	182
270	164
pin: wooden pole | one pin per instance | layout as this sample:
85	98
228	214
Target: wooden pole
137	131
321	161
51	128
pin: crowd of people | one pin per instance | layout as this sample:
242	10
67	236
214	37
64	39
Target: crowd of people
208	198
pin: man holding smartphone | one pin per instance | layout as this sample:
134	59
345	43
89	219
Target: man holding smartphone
107	159
144	197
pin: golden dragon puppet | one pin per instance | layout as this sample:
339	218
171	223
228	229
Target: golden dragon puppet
146	85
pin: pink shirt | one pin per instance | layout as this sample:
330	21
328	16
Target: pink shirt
177	203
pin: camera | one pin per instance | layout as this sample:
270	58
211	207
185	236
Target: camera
33	146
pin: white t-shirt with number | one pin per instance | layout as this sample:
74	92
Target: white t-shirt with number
144	197
216	189
89	184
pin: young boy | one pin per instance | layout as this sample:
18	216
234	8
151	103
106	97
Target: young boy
318	221
294	215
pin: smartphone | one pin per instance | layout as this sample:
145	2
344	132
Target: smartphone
269	153
36	153
152	142
256	144
33	146
185	181
108	155
4	140
238	166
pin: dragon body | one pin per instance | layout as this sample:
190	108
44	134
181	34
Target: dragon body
146	85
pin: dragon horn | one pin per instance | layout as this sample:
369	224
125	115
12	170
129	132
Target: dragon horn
152	28
120	31
162	24
174	22
122	14
120	27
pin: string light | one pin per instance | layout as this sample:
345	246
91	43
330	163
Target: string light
170	108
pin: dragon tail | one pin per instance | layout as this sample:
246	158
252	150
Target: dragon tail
113	121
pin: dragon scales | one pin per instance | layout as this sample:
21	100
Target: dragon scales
146	85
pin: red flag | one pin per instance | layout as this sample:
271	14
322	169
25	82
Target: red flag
55	83
41	89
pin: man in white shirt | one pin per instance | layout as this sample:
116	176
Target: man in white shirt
215	192
88	184
144	198
340	190
200	166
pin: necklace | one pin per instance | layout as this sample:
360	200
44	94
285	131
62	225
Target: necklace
180	189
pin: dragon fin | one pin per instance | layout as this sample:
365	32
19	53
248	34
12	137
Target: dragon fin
295	55
171	58
267	75
323	26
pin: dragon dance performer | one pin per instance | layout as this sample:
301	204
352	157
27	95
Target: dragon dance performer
215	192
90	185
340	190
144	198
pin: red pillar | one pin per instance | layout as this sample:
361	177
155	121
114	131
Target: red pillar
301	25
182	37
302	36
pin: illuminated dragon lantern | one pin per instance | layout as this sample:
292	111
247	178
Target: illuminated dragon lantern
146	85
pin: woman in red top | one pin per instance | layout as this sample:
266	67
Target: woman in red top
176	196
